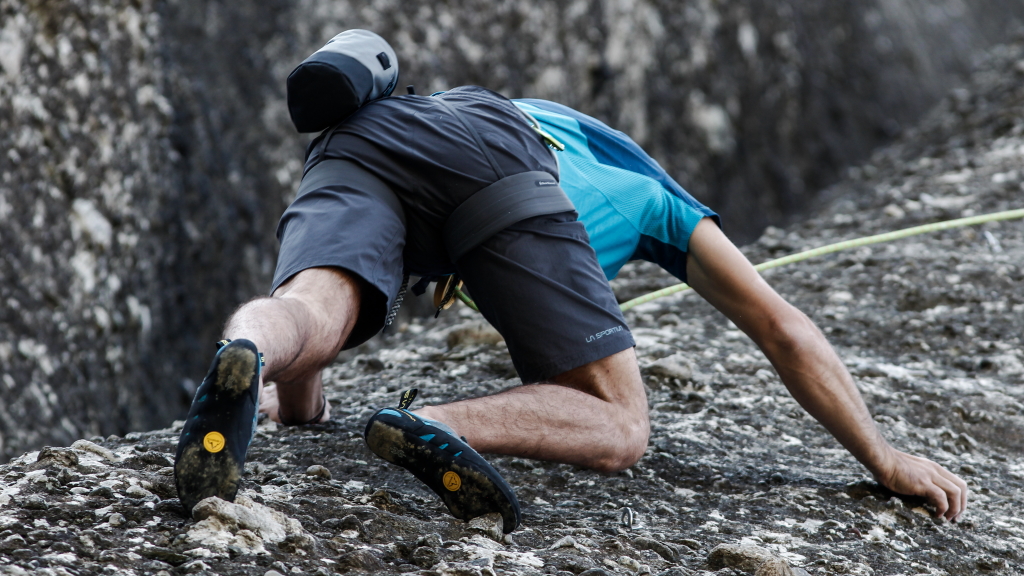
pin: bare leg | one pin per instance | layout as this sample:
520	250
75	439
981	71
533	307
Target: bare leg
593	416
300	329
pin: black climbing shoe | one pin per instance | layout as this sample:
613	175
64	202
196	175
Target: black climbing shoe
466	483
220	425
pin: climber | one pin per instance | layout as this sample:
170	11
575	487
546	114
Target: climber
435	186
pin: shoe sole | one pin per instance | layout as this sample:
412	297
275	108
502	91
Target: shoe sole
207	465
466	491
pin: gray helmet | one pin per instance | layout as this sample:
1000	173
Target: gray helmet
355	67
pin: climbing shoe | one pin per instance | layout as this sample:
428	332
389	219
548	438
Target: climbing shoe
220	425
466	483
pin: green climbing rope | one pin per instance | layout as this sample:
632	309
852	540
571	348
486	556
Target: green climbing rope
829	249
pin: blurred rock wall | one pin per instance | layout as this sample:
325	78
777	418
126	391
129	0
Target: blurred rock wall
146	151
86	183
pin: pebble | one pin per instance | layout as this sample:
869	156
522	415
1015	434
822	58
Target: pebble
672	367
564	542
138	492
778	567
745	557
60	456
115	519
87	446
661	549
318	471
491	525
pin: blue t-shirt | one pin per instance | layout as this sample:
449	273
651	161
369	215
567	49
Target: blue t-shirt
632	209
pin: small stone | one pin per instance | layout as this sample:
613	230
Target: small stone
424	557
86	446
318	471
473	333
163	555
894	211
12	542
361	560
59	456
689	543
746	558
841	296
968	469
115	519
490	525
565	542
138	492
35	502
672	367
431	540
102	492
629	563
272	573
661	549
197	566
775	567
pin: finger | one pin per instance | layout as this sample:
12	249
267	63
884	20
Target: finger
937	497
960	504
952	493
963	497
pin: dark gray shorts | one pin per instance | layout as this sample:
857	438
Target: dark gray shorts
537	282
374	202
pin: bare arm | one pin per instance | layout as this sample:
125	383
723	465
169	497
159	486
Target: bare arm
810	368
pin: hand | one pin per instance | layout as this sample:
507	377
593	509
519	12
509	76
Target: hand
906	474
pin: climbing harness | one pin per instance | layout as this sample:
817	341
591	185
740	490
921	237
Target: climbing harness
829	249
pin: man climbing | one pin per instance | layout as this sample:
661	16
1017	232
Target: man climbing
465	183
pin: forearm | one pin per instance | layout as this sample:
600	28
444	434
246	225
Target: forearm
810	369
820	383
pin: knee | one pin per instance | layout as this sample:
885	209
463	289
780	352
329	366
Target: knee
631	435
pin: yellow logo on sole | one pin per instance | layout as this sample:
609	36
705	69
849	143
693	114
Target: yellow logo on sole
213	442
451	481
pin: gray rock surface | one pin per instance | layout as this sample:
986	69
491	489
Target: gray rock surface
147	152
737	479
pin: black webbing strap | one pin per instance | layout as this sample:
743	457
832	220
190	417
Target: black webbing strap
500	205
321	147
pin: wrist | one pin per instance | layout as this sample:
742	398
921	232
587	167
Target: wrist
882	465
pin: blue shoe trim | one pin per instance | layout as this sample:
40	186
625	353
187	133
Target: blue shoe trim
391	412
203	399
428	437
457	454
443	446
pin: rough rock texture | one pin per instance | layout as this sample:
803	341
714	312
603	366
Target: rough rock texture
737	479
86	179
147	153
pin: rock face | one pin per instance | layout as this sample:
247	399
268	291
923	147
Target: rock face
147	152
737	480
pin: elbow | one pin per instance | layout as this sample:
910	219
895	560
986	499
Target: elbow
788	333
